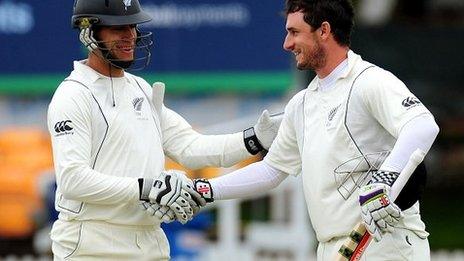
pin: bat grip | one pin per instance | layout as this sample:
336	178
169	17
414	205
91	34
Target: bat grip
416	158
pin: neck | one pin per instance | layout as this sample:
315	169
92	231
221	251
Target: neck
335	55
100	65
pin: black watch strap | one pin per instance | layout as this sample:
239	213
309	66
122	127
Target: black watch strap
251	141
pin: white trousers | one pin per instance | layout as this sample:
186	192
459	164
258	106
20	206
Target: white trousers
97	240
402	244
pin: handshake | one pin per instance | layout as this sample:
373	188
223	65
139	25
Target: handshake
173	196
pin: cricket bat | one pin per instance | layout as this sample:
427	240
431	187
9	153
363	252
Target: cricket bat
353	248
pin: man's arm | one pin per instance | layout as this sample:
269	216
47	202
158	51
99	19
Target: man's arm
69	123
379	212
253	179
194	150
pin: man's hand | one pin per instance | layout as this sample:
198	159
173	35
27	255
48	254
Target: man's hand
168	190
378	212
267	127
163	213
196	200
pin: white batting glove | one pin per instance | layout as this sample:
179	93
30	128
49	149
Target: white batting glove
86	38
167	190
163	213
378	212
196	200
267	127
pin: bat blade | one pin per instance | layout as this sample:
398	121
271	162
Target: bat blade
353	248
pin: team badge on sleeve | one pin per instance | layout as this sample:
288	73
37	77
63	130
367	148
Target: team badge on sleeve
410	102
63	128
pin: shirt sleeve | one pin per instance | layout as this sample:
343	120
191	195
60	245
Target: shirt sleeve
194	150
419	133
69	124
389	100
253	179
284	153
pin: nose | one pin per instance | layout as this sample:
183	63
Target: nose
288	43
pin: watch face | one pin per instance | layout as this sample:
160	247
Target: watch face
249	133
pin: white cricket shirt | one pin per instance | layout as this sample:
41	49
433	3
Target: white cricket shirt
106	135
362	113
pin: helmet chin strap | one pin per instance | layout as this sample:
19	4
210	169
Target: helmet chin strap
107	56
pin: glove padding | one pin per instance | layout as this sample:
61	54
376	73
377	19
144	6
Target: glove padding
163	213
171	191
378	212
267	127
195	200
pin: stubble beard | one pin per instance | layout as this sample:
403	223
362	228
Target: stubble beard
114	60
315	59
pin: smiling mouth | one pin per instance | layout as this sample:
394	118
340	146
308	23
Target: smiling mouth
125	47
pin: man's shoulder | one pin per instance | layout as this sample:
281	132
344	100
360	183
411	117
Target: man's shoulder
71	90
296	99
368	70
138	80
376	75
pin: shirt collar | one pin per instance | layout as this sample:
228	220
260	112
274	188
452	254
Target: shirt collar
352	60
82	68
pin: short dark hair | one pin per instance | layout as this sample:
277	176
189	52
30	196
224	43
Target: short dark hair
338	13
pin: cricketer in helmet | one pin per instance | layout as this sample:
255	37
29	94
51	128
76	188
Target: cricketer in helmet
109	30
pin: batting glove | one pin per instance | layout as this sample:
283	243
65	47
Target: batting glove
163	213
267	127
196	199
378	212
170	191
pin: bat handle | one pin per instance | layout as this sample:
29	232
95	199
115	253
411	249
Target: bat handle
416	158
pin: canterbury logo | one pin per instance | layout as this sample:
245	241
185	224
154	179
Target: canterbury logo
63	126
410	101
137	102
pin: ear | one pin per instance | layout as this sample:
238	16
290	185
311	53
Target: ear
325	30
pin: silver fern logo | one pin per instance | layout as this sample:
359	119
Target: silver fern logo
127	3
137	103
331	115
